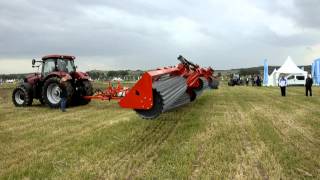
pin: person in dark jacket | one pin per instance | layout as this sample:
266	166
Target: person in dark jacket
63	94
309	83
258	82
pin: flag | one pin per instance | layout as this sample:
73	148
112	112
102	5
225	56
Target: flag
266	73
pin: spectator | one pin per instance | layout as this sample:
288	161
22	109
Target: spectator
63	94
283	84
258	82
252	81
309	83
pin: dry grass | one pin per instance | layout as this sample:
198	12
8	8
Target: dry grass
230	133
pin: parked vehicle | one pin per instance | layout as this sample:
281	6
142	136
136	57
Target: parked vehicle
296	80
235	80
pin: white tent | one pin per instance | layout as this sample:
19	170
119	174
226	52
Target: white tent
288	68
272	78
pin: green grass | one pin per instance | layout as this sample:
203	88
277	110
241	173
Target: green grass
8	85
230	133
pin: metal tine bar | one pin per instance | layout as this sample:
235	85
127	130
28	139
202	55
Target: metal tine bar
168	102
184	99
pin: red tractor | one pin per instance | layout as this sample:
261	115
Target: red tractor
44	86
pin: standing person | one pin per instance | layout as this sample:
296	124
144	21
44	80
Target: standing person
63	94
258	81
247	81
309	83
283	84
252	80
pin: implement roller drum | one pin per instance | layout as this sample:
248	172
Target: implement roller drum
168	92
170	89
184	99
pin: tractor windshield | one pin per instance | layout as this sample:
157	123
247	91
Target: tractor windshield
66	65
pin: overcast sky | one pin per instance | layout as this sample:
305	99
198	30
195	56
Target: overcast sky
145	34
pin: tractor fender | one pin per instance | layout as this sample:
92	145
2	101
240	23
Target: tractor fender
32	78
81	76
51	76
58	75
28	86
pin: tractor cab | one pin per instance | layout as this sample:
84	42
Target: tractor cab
56	63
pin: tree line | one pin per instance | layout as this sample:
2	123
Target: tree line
109	75
12	76
96	75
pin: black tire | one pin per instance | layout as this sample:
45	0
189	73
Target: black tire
51	92
84	89
193	95
156	109
41	101
200	86
214	84
22	96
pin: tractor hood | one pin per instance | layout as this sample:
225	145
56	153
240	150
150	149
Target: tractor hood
32	75
32	78
81	76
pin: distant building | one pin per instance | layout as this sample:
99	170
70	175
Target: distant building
10	81
117	79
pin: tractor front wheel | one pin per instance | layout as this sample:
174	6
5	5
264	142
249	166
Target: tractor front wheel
51	92
21	97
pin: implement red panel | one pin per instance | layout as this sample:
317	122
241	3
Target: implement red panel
140	95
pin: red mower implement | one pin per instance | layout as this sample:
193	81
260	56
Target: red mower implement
162	89
111	93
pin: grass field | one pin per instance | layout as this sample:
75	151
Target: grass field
230	133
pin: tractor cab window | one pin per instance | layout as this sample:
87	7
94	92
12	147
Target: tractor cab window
49	66
65	65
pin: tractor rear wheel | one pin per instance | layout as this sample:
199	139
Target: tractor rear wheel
41	101
84	89
21	96
51	92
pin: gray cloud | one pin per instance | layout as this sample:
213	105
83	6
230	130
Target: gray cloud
308	13
146	34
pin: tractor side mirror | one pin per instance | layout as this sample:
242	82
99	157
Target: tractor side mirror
33	62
